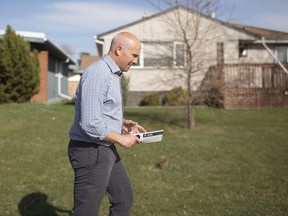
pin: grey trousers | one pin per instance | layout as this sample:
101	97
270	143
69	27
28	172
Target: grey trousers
98	170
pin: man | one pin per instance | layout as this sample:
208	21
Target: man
98	124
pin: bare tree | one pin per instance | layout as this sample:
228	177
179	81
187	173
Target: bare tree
67	48
192	24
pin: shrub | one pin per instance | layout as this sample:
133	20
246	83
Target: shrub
214	98
176	97
19	69
151	100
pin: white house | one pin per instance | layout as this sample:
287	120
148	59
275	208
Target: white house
163	59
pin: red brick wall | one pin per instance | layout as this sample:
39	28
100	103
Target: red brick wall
256	99
42	95
72	86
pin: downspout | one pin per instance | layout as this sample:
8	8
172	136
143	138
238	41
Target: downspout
59	76
275	58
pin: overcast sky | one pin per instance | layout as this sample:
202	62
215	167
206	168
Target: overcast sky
75	22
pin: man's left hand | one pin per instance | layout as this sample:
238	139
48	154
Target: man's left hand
132	127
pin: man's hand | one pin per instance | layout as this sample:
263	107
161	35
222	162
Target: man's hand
132	127
126	140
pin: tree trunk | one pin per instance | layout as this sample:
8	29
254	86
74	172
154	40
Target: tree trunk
191	122
190	119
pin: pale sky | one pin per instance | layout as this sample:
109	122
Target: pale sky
75	22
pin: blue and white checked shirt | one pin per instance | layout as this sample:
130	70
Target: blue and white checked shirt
98	103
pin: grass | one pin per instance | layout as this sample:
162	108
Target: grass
231	163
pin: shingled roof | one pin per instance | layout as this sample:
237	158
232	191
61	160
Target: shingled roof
261	32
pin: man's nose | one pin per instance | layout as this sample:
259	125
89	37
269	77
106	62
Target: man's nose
135	60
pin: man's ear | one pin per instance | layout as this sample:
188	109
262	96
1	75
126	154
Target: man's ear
118	50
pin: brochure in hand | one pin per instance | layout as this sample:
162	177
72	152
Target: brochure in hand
152	136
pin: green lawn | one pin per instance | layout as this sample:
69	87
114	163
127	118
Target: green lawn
231	163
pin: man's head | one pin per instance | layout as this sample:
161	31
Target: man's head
124	50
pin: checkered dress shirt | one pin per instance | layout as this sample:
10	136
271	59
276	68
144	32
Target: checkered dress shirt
98	103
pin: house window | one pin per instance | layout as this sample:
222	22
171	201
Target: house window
139	63
242	50
58	67
161	54
179	54
158	54
282	54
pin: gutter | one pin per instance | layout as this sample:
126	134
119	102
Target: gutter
97	41
274	56
99	45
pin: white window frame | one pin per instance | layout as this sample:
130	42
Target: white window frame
142	56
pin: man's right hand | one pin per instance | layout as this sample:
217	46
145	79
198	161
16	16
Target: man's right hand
129	140
126	140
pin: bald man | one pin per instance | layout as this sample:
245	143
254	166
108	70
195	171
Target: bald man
98	125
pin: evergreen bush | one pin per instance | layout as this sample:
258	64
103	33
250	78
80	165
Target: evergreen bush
19	69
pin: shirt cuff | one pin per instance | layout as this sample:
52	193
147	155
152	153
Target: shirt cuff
104	135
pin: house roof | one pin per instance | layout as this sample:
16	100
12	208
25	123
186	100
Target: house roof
268	34
38	40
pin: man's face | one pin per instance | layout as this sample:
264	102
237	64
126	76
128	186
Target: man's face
129	56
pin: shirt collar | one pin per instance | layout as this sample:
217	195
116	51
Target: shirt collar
112	65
